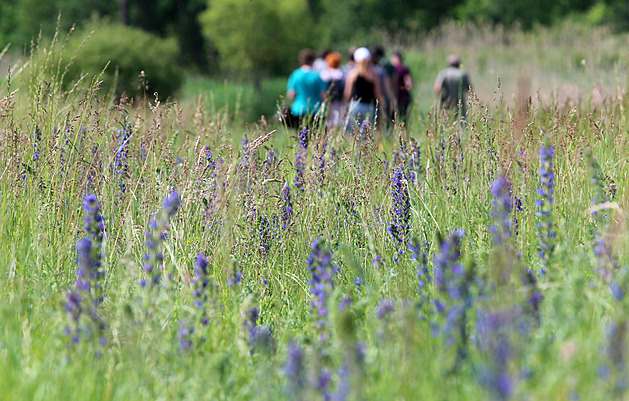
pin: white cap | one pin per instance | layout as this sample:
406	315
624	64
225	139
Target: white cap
362	53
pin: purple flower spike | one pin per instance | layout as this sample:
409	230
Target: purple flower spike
546	191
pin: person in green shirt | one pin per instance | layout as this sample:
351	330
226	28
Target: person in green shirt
452	86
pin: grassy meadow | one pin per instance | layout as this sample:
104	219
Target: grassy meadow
168	250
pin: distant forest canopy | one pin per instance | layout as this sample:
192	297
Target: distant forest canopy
237	35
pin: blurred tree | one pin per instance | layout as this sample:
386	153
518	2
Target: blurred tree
526	13
21	20
140	62
617	12
177	18
258	37
351	20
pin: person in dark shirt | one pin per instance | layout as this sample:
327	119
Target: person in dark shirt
452	86
403	84
362	91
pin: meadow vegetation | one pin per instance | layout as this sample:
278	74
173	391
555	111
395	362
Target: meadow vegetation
162	249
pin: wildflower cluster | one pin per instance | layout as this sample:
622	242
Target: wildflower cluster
87	294
154	238
270	163
400	209
615	370
500	227
495	332
121	163
287	208
534	295
415	168
264	235
601	246
546	190
36	141
424	278
321	282
409	159
385	308
260	336
321	167
453	284
300	161
212	183
184	335
201	284
295	371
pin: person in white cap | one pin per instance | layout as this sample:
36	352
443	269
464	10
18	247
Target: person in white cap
362	91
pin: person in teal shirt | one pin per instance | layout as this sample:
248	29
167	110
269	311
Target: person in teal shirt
305	88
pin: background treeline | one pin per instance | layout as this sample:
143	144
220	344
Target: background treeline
142	46
201	27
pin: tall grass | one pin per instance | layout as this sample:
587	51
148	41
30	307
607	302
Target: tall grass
310	291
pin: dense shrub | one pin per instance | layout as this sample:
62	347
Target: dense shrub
129	51
268	36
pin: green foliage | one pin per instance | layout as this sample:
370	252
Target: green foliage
170	18
22	20
129	51
525	13
258	36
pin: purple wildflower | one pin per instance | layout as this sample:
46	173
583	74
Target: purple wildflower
602	248
295	371
385	308
453	283
270	164
300	166
156	235
359	282
264	236
500	227
400	209
287	210
544	204
121	163
322	272
616	355
420	254
495	337
534	296
235	275
87	294
260	336
184	335
201	284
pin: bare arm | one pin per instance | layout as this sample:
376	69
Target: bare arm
349	85
388	89
438	84
377	90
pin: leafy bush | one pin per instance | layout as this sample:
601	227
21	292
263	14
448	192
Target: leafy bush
129	51
259	37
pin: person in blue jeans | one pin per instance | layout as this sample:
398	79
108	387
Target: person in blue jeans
305	89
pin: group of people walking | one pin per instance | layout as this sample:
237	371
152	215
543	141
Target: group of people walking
368	89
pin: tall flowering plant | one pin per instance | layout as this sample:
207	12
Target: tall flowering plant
154	238
400	209
87	294
544	203
322	272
